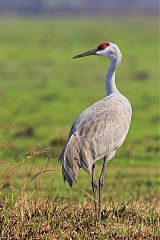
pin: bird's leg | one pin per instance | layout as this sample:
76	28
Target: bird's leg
94	189
100	185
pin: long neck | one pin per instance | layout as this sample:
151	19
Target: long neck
110	78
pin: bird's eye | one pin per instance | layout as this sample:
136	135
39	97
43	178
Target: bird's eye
102	46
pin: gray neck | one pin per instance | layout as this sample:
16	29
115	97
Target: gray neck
110	78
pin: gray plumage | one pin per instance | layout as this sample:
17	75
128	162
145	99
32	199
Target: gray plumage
97	133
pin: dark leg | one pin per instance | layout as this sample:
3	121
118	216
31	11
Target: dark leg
101	184
94	189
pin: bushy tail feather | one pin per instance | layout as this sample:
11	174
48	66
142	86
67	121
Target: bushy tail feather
71	160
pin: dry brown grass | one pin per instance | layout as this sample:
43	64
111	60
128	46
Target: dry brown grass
46	218
33	215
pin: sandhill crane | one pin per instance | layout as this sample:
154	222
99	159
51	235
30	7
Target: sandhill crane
99	130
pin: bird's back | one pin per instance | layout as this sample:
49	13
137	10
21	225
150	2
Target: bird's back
97	133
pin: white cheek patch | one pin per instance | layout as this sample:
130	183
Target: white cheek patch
102	52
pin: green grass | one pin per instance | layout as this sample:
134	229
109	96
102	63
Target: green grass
42	91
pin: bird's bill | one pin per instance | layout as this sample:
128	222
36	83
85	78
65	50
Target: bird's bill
88	53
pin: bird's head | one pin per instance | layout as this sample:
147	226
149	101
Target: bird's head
106	49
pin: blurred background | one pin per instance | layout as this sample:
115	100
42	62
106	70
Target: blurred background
55	7
42	90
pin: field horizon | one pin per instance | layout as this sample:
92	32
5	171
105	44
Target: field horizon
42	91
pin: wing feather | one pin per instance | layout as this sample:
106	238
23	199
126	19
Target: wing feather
97	132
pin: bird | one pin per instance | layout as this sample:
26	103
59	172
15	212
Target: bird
98	132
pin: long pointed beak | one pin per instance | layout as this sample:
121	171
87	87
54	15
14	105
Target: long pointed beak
88	53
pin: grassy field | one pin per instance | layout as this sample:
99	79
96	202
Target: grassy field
42	90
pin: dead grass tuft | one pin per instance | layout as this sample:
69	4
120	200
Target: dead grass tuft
50	219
